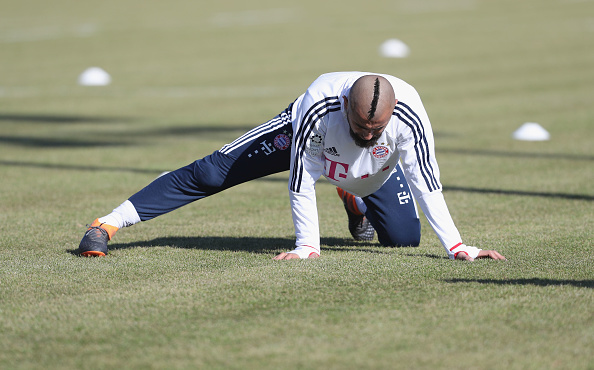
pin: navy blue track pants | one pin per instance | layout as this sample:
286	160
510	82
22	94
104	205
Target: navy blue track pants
263	151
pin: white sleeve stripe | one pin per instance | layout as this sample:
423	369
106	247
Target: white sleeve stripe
316	112
263	129
411	119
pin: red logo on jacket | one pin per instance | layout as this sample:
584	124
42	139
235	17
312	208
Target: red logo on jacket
282	141
380	151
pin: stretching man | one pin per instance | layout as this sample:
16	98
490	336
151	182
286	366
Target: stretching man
368	134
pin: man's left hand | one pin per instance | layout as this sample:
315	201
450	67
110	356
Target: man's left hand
482	254
290	256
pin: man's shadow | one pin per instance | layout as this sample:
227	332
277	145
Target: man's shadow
243	244
527	281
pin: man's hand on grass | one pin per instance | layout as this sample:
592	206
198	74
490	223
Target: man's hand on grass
290	256
482	254
461	256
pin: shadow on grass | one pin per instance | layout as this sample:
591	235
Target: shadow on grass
95	168
240	244
533	281
60	119
520	193
429	255
258	245
41	142
143	132
509	154
81	167
193	130
215	243
129	138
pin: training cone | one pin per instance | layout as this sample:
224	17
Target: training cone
531	131
394	48
94	76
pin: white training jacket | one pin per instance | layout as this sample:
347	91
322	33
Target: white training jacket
322	146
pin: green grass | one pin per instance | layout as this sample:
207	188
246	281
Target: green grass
197	288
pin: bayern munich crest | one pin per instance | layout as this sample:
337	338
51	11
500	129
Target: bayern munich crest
380	151
282	142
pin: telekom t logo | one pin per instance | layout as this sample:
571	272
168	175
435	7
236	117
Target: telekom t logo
335	169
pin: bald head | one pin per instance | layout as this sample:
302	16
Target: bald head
369	107
372	97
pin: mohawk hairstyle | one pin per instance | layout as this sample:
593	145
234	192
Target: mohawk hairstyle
375	99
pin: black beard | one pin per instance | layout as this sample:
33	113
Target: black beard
363	143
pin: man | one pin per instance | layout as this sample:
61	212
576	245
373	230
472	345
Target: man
353	128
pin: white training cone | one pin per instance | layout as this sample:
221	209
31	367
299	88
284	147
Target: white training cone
94	76
531	131
394	48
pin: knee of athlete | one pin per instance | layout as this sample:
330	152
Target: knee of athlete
207	175
402	236
207	178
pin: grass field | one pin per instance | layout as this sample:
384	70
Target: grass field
197	288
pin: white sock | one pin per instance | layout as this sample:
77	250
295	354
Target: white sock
361	204
123	216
